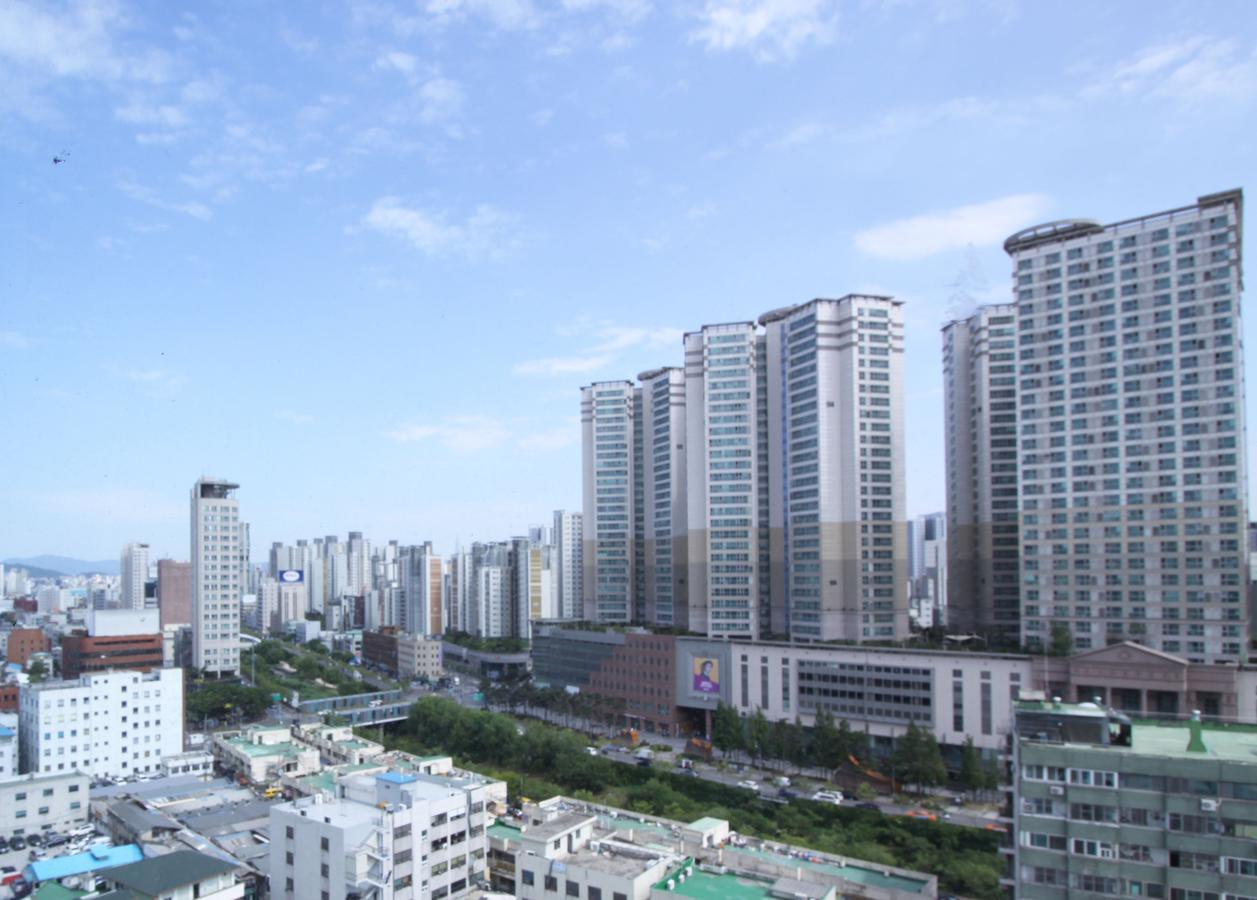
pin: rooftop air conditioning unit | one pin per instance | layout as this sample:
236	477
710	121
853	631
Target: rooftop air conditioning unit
1208	805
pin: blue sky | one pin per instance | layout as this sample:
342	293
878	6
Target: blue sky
359	257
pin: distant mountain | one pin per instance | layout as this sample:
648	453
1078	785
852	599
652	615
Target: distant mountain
65	565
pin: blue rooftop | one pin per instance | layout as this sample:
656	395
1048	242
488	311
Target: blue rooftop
6	732
93	860
396	777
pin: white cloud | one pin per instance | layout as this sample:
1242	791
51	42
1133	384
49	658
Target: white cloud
607	342
455	432
508	15
486	232
152	198
1190	69
978	224
397	61
15	340
551	438
79	40
293	417
631	10
141	113
769	29
441	99
561	365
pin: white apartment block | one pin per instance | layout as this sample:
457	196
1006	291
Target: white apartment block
1130	400
607	425
983	543
219	558
395	835
726	450
107	724
568	543
134	573
8	747
664	549
34	804
422	607
835	450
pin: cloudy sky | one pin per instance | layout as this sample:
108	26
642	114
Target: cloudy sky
360	256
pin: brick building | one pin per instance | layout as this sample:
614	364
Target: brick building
25	641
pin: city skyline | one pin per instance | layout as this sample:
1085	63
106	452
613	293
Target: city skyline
425	227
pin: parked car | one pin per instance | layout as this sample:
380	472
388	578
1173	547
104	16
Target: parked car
35	839
787	793
52	839
4	845
18	843
921	814
834	797
592	751
749	785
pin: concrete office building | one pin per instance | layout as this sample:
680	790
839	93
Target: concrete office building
1106	808
133	576
114	639
218	561
836	461
174	592
608	416
106	724
1130	401
664	549
8	747
569	545
34	804
983	546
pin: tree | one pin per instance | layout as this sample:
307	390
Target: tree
825	749
1062	641
797	750
758	733
38	671
972	777
726	730
918	759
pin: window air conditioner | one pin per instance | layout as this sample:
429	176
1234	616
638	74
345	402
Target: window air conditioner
1208	805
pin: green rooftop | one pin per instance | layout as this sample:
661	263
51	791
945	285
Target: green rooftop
706	823
288	748
706	886
860	873
1170	739
504	832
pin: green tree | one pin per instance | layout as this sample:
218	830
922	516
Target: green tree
825	747
917	758
38	671
972	777
758	734
727	735
1062	641
798	751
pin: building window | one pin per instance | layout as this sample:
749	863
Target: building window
986	707
324	844
288	885
323	870
526	876
572	889
958	705
594	893
552	884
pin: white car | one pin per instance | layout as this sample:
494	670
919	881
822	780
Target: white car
834	797
749	785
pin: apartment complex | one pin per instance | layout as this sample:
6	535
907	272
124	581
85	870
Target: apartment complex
220	560
1106	808
134	575
105	724
1130	412
983	544
174	592
758	489
568	546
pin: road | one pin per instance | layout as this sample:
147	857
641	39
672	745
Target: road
953	814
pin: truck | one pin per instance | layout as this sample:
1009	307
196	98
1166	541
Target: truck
644	756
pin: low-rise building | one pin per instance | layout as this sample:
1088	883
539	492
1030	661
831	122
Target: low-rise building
199	763
32	804
106	724
379	648
396	835
1104	806
567	848
23	642
419	656
338	744
114	639
180	875
263	753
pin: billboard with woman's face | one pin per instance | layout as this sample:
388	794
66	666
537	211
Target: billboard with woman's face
706	675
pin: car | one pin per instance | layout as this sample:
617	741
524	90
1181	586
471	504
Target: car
5	870
749	785
4	845
921	814
867	805
834	797
52	839
592	751
787	793
35	840
18	843
20	888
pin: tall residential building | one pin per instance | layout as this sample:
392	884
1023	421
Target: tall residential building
134	574
105	724
983	546
174	592
421	582
607	429
665	544
726	490
568	545
217	577
836	469
1130	402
